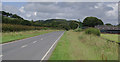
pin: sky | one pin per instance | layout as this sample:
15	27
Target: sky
106	11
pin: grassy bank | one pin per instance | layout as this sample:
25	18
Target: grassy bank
14	28
79	46
11	36
112	37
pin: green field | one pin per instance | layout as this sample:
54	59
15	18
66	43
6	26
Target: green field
112	37
11	36
79	46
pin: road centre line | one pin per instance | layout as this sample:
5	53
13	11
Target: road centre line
24	46
34	41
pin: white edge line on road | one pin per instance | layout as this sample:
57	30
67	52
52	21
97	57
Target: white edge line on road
51	47
1	56
41	38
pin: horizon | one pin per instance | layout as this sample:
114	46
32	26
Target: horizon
107	12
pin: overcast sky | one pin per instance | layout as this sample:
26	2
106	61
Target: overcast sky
108	12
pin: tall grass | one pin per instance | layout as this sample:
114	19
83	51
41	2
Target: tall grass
80	46
103	49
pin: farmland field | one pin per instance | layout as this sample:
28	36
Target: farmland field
112	37
79	46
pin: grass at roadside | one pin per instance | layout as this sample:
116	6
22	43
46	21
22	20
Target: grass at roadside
112	37
79	46
11	36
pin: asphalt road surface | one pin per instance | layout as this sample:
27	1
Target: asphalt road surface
33	48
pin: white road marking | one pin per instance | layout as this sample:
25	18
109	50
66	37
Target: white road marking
24	46
51	48
34	41
1	56
41	38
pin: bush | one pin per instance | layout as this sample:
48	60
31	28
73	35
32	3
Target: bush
78	30
67	28
93	31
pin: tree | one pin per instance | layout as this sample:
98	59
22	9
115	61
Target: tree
16	16
92	21
25	22
73	24
80	23
108	24
118	25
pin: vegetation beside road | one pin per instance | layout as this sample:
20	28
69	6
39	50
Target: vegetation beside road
11	36
80	46
112	37
14	28
74	45
15	20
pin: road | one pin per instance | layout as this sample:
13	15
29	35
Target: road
33	48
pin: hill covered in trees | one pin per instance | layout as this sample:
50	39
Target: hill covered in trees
10	20
14	19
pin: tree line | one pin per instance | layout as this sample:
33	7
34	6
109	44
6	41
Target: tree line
9	18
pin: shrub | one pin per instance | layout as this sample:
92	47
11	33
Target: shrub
67	28
78	30
93	31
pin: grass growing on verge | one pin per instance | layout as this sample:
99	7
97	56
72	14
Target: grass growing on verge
79	46
113	37
11	36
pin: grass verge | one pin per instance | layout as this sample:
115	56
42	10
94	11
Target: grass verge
11	36
112	37
79	46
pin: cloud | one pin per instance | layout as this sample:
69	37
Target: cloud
60	0
28	15
69	10
35	13
114	12
22	9
11	9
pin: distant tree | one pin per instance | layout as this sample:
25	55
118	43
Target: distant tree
118	25
73	24
11	15
66	27
25	22
32	22
108	24
3	13
92	21
16	16
80	23
6	13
